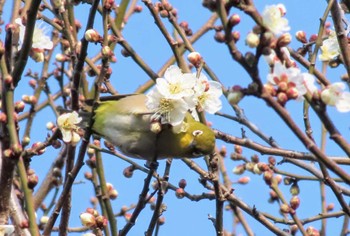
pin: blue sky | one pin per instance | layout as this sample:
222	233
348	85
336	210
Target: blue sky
184	217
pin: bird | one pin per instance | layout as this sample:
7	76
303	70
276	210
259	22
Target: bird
125	122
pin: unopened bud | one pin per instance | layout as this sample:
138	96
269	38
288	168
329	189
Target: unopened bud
107	52
239	169
180	193
40	151
268	175
234	20
182	183
311	231
92	35
243	180
330	207
32	181
128	171
235	95
294	202
285	208
252	40
294	189
238	149
44	219
272	160
113	194
108	4
8	79
284	40
256	169
19	106
61	57
282	98
87	219
236	35
195	58
301	36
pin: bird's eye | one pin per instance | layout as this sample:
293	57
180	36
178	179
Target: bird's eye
197	133
196	154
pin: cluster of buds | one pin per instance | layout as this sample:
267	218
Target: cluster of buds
180	191
29	99
92	219
111	191
188	31
165	9
285	90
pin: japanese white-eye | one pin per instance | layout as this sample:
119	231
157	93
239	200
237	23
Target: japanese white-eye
126	123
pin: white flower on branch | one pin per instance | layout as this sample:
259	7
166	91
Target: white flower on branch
207	95
330	48
169	110
177	93
40	39
273	19
67	123
334	95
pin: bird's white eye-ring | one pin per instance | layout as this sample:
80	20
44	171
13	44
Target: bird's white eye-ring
197	133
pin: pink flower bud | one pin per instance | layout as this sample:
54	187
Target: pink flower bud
234	20
180	193
243	180
301	36
294	202
195	58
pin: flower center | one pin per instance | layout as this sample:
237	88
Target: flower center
165	105
175	88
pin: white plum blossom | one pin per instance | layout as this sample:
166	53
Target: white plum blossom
207	95
334	95
175	84
273	19
40	40
7	229
330	48
179	93
67	123
171	111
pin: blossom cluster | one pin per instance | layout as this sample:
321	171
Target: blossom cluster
290	83
177	93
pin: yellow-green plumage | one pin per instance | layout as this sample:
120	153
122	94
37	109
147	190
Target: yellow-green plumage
126	124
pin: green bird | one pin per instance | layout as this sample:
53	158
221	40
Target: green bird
125	122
